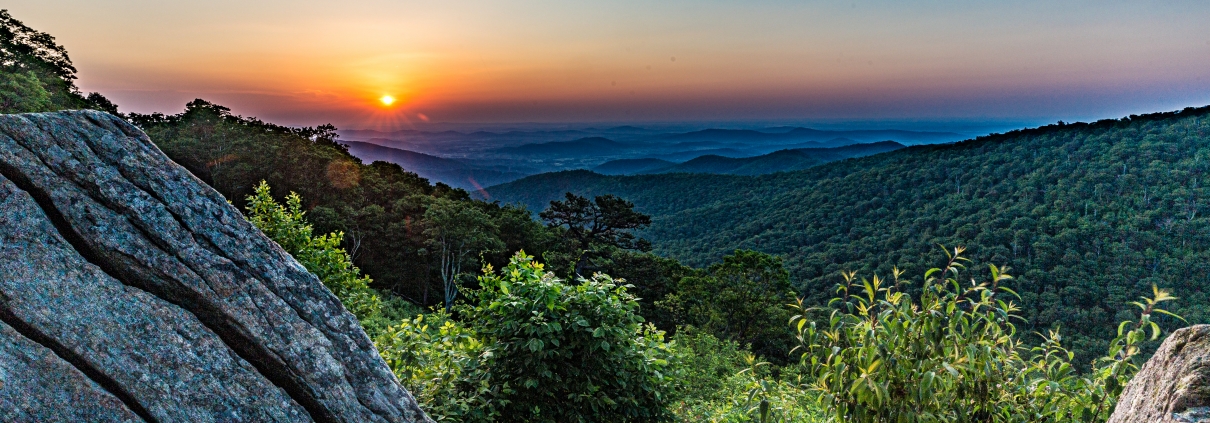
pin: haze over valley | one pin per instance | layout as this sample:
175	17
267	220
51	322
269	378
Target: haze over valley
473	160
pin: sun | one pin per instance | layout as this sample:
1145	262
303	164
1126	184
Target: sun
387	100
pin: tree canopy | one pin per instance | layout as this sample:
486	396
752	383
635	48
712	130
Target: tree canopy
593	228
36	74
742	299
386	215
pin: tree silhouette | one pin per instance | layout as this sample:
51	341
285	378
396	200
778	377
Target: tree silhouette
38	74
595	227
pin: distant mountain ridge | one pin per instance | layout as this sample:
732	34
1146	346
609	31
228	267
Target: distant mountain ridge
587	145
480	158
777	134
456	173
778	161
828	138
631	166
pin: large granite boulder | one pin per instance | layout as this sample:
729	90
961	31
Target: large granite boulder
1174	385
131	291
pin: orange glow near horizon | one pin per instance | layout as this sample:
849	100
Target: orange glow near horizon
307	62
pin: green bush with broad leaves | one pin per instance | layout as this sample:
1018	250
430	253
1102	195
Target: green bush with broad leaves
321	254
718	381
440	362
22	92
876	355
574	352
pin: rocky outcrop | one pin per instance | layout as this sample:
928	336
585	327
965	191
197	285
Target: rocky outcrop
1174	385
130	290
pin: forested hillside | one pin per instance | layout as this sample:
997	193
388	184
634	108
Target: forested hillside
389	217
1088	216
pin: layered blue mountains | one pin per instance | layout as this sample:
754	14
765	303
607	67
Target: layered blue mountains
476	159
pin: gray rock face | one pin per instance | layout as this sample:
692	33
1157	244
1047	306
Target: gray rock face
137	291
37	385
1174	385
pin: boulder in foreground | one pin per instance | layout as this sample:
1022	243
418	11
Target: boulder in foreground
134	292
1174	385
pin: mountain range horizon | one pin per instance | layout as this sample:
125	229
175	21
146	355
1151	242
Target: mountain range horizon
475	159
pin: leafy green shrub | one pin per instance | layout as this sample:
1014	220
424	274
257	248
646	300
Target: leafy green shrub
878	356
718	381
321	255
569	353
439	361
702	363
391	311
742	299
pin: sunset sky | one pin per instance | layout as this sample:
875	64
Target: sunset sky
305	62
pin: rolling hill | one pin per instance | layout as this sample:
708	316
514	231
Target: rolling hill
778	161
1088	216
452	172
825	138
631	166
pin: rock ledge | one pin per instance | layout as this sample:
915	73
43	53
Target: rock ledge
131	291
1174	385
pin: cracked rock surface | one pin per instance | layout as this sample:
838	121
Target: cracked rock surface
131	291
1174	385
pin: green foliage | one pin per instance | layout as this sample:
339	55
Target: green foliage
703	362
719	381
594	229
1089	215
380	208
457	233
321	254
440	362
570	353
741	299
878	356
652	278
36	75
22	92
22	47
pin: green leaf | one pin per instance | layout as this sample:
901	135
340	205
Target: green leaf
953	372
